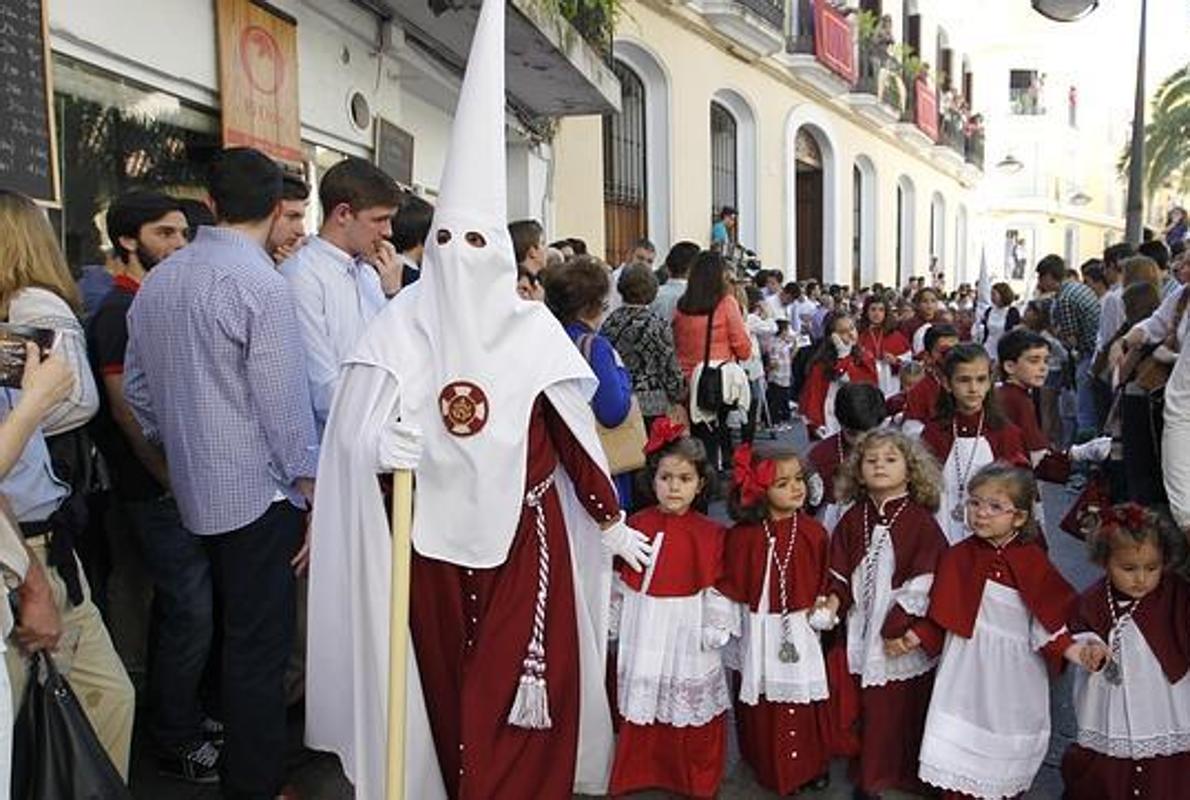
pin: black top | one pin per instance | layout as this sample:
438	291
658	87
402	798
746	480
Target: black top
107	340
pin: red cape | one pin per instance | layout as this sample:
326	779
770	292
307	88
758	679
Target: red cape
691	555
1162	616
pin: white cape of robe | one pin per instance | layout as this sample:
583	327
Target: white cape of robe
347	658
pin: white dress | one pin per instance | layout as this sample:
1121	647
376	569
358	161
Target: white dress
753	652
960	457
1144	717
865	646
988	728
664	674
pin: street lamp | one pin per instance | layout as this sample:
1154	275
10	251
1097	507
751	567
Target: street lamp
1069	11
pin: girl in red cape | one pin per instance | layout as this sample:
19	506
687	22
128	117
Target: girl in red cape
883	555
998	610
1134	712
775	566
839	359
968	432
671	686
880	336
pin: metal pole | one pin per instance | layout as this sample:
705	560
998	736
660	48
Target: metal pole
1136	154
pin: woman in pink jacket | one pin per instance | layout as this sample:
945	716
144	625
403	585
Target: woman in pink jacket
709	300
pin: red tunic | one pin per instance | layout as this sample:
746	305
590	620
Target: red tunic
1020	407
1005	439
880	343
958	588
782	742
688	760
921	402
891	718
858	367
1163	619
910	326
826	457
471	627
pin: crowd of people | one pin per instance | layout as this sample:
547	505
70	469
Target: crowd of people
877	590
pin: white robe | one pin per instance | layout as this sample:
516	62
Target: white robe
347	658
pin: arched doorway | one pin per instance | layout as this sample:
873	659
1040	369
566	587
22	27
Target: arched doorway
729	103
625	169
810	201
938	262
906	224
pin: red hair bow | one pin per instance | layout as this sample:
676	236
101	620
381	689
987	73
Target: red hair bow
754	480
663	432
1127	515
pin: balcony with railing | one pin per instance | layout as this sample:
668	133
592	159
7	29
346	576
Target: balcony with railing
757	25
821	48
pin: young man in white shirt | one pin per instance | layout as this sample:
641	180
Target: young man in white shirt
343	276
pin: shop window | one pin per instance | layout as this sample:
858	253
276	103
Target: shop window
115	136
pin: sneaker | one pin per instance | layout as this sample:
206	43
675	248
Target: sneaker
195	764
212	731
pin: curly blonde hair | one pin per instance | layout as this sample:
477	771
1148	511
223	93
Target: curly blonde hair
925	478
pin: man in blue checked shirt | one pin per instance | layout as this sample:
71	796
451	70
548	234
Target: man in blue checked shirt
215	373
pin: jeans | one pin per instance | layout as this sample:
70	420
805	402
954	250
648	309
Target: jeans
181	575
256	585
1088	420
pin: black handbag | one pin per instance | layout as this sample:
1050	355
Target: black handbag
708	394
56	754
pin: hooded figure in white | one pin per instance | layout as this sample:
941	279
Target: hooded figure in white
445	382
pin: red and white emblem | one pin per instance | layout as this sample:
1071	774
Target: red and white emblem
464	408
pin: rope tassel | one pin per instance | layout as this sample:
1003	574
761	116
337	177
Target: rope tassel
531	706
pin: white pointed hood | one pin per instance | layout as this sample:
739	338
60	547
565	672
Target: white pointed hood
461	330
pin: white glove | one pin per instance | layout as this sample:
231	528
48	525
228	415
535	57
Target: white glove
1095	450
842	348
1164	355
822	619
629	544
814	489
399	446
714	638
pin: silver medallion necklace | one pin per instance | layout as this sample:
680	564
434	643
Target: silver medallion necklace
1113	672
871	559
958	513
788	653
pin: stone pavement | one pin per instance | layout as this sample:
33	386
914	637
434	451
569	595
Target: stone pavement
318	776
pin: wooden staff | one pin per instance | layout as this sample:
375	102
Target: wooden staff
398	632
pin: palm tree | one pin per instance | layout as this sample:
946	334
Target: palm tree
1167	136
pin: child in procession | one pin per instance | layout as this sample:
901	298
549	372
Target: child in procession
968	432
879	335
859	407
998	611
927	305
921	402
1134	711
774	566
668	739
838	360
883	555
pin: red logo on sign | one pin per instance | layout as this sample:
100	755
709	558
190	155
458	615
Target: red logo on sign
261	58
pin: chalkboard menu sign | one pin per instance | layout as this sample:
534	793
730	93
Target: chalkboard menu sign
394	152
28	161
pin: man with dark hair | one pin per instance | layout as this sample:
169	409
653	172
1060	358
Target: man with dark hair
215	372
411	226
529	249
723	229
1093	276
1157	250
1075	319
643	253
677	265
145	228
344	275
290	228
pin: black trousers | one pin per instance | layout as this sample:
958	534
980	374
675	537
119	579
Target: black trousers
255	582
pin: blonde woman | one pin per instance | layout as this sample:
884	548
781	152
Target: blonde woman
36	289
